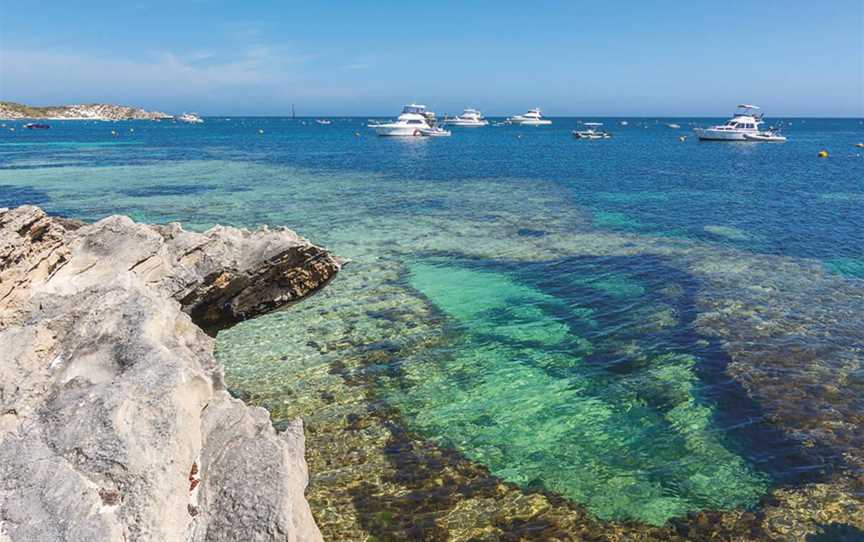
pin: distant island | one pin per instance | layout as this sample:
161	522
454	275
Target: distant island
12	111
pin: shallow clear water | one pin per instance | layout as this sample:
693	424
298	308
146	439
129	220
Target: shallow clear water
592	336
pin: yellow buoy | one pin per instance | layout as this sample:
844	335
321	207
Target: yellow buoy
823	154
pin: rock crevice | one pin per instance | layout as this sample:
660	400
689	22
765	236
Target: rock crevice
114	424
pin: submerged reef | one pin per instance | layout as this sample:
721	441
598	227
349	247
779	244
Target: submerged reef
470	382
114	419
718	390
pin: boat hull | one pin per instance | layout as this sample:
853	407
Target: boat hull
707	134
462	124
518	122
397	130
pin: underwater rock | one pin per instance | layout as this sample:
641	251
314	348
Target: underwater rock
727	232
114	424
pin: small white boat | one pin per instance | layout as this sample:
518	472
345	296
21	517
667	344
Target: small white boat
190	118
411	122
470	118
624	123
746	120
434	131
592	132
323	122
768	137
531	118
674	126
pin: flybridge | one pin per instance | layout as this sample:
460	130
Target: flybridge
748	111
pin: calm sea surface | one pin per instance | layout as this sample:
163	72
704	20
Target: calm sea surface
537	336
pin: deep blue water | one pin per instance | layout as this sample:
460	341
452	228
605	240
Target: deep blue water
780	198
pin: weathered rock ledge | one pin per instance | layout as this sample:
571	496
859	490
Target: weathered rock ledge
114	421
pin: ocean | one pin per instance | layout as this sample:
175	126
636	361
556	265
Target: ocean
536	337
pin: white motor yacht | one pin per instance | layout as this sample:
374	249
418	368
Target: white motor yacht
323	122
411	122
190	118
592	131
531	118
470	118
745	121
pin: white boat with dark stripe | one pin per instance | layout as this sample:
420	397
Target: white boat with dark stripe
746	120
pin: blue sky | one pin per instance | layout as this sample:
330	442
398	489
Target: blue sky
368	58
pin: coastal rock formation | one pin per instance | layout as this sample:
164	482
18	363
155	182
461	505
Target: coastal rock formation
114	421
12	111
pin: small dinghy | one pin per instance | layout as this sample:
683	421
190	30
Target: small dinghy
592	132
434	131
768	137
323	122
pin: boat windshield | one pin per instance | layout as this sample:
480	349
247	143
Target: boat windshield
418	109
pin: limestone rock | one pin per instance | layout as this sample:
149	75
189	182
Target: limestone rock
113	421
12	111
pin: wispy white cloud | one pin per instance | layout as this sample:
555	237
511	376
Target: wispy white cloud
56	76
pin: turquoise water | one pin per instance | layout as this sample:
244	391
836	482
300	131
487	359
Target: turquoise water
634	331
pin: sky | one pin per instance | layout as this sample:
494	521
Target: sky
258	57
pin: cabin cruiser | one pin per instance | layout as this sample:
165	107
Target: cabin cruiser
745	121
323	122
413	120
531	118
592	131
190	118
469	118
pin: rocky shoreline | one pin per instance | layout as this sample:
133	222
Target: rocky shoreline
15	111
114	419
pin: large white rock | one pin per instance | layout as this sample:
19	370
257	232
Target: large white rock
114	424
